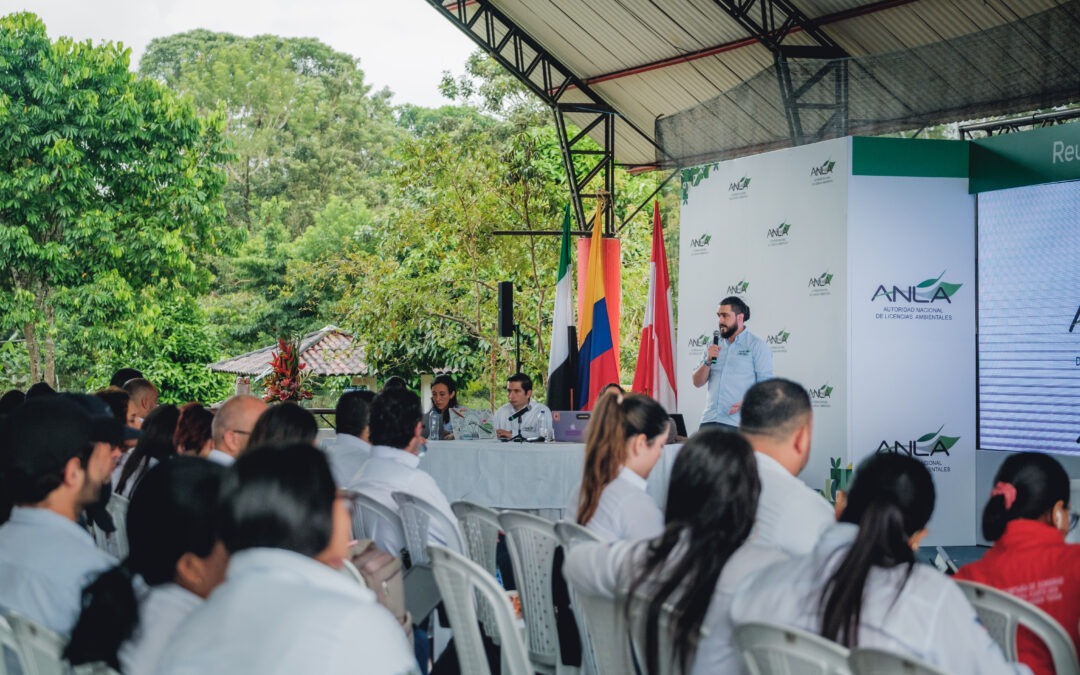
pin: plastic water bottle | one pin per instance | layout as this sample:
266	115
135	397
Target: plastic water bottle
434	424
543	427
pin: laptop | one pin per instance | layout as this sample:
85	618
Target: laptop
570	425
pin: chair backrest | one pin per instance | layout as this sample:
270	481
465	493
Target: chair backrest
460	580
379	523
570	533
532	544
770	649
1001	613
418	516
480	530
41	648
95	668
11	657
639	607
118	508
606	629
869	661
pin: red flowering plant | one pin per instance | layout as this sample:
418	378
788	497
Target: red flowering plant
286	379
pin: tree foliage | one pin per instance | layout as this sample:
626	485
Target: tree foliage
108	186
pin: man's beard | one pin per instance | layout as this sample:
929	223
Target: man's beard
727	332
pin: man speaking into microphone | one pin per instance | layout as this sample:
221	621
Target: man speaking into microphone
732	363
519	417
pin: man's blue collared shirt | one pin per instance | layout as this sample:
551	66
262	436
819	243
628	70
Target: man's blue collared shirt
738	366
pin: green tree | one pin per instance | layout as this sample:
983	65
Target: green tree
108	185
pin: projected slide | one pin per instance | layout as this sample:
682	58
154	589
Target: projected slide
1029	318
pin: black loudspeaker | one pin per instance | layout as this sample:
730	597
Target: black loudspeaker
506	309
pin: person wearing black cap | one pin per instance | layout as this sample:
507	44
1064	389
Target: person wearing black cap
56	457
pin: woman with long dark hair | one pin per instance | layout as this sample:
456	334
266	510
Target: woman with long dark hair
1027	517
176	558
283	608
861	585
443	398
622	445
153	446
700	559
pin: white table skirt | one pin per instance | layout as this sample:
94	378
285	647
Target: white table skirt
526	476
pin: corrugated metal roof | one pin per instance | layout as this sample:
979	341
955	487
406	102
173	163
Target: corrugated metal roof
651	60
329	351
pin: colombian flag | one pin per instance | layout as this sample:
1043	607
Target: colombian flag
597	362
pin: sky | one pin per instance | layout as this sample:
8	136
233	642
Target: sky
404	45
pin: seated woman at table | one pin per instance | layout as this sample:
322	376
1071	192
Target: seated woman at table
1027	518
861	585
698	562
443	398
622	445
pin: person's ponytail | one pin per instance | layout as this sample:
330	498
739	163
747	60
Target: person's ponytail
605	453
110	615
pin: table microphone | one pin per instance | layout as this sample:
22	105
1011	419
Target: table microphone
521	413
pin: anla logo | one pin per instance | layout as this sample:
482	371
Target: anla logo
701	242
1075	323
699	341
740	185
822	281
926	445
780	338
778	232
739	288
929	291
824	170
823	392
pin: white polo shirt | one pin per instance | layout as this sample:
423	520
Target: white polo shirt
282	612
527	425
346	454
625	511
45	560
790	515
162	609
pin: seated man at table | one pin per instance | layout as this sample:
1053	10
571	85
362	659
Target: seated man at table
521	416
394	464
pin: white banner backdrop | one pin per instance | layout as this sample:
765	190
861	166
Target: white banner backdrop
771	229
807	245
912	266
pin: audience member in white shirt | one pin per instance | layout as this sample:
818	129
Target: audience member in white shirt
702	554
232	425
58	458
394	465
283	607
861	585
777	419
520	417
350	446
130	612
623	442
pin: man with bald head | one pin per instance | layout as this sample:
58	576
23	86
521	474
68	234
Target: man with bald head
232	427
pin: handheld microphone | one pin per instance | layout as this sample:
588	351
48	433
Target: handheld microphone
715	341
521	413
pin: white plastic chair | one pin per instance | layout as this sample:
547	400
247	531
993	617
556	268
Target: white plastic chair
480	530
1001	613
460	580
41	648
770	649
571	534
96	668
417	517
378	523
868	661
605	625
11	656
666	661
532	542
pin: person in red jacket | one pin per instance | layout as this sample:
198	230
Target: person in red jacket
1027	518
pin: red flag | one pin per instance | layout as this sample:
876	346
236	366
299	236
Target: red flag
655	374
